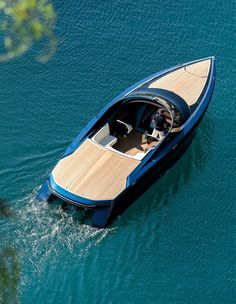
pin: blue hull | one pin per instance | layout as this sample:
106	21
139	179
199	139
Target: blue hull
155	165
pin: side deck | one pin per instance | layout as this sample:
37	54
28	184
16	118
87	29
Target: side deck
94	172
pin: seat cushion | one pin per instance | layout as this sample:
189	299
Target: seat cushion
108	141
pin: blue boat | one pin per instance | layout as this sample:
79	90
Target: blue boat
132	142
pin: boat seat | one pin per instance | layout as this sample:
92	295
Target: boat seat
108	141
102	133
128	126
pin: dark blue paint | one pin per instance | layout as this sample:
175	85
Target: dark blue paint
89	127
175	244
159	159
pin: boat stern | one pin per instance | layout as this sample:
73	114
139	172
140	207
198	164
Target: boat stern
50	190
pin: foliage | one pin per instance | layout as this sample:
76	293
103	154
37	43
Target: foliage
5	211
24	22
9	265
9	275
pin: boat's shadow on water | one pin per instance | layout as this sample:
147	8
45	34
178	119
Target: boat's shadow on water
163	191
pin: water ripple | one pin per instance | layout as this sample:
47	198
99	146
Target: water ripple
42	231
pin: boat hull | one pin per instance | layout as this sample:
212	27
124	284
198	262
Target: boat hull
142	177
103	216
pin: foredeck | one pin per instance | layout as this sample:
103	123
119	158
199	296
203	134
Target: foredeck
188	82
94	172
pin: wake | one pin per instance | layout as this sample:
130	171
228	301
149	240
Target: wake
42	232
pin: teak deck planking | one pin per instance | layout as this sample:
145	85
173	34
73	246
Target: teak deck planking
188	82
98	173
134	143
94	172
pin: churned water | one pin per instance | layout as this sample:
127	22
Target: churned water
177	243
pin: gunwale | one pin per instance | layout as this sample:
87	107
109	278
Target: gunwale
97	173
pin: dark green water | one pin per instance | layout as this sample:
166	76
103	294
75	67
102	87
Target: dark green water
177	243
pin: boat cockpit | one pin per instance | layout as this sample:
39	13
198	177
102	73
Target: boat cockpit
136	128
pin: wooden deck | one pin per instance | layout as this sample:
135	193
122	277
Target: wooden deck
94	172
187	82
134	143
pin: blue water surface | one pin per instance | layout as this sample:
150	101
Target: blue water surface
177	243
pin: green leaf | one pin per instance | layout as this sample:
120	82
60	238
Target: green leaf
37	29
48	11
8	42
24	22
2	5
